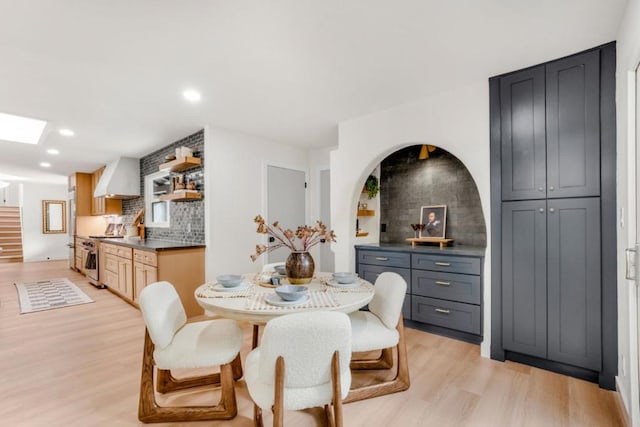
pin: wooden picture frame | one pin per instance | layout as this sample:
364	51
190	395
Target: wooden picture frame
54	216
435	220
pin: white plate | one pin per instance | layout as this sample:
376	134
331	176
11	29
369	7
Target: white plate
335	284
241	287
274	299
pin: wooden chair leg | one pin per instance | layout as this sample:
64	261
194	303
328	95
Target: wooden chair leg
278	399
254	337
401	382
257	416
385	361
337	390
150	412
328	412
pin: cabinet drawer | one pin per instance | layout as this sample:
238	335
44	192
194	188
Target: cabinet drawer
145	257
386	258
111	263
447	314
371	272
449	286
124	252
449	264
108	249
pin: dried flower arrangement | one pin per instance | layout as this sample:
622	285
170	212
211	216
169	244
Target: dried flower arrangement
304	238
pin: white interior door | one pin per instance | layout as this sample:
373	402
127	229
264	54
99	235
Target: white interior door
327	259
286	202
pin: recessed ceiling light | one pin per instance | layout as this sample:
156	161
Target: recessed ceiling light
53	151
66	132
191	95
20	129
45	164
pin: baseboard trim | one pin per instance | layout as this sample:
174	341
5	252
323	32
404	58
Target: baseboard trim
560	368
438	330
622	407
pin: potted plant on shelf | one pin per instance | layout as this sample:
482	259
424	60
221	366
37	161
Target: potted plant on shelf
372	186
299	265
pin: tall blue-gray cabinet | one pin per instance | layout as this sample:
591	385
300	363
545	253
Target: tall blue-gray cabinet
553	216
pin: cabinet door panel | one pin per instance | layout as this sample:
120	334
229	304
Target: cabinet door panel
573	126
522	110
574	282
524	277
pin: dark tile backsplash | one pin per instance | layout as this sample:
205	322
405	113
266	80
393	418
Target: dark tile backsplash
182	213
407	184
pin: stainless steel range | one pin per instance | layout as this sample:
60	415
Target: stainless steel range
90	247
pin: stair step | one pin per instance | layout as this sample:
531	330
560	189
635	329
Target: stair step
5	260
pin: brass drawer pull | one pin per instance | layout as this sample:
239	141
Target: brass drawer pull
381	258
443	283
443	264
443	311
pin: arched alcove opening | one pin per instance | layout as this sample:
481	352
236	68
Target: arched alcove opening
409	182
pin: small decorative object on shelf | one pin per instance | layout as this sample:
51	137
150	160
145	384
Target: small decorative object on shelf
417	228
372	186
299	265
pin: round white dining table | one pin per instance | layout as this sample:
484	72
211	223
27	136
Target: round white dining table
250	303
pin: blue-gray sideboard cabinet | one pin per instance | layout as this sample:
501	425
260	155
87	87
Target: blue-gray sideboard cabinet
553	216
444	286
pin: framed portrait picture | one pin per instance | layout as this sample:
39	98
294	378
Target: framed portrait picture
435	220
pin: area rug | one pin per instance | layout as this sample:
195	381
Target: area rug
49	294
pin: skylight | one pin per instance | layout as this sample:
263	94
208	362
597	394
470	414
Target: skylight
20	129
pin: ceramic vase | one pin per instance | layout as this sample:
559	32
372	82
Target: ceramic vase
299	267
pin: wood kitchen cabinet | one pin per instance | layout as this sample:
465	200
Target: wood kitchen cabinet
145	270
129	267
103	205
80	185
118	265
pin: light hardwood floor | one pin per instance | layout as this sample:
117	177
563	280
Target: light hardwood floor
80	366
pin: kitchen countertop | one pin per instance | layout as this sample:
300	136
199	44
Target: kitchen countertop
406	247
152	244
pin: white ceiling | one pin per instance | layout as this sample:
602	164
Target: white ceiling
288	70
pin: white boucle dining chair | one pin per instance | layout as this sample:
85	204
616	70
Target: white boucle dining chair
302	362
172	343
381	328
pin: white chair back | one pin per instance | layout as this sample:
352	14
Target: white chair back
307	342
270	268
162	311
390	289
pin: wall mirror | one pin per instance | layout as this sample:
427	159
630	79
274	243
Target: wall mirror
54	215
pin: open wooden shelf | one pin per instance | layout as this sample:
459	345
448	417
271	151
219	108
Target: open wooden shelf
181	196
362	234
181	163
443	242
366	212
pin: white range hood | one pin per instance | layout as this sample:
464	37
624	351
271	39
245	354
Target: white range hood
120	179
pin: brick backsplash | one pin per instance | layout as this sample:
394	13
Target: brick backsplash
407	184
181	213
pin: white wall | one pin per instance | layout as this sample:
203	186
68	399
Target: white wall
457	120
628	56
38	246
235	182
10	196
